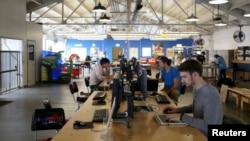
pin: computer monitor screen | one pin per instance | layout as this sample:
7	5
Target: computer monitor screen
117	93
122	66
129	73
143	83
137	68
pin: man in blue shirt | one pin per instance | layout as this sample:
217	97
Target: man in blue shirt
171	78
222	66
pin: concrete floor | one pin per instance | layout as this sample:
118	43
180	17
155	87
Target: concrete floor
16	108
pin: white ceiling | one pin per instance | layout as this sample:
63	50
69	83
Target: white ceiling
71	18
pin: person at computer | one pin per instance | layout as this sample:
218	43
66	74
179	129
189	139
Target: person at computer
87	62
120	55
171	78
99	73
206	106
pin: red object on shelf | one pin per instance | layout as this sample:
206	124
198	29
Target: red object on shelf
73	56
152	62
77	72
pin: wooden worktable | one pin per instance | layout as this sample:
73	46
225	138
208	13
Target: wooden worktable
143	126
239	93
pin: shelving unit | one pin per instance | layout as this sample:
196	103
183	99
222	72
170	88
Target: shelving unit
185	51
195	52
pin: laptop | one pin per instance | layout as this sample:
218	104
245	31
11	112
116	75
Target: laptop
161	119
111	113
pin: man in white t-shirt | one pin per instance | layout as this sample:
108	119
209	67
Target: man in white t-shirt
99	73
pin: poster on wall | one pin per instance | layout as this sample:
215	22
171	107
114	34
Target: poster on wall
133	52
102	53
31	50
170	53
94	52
158	49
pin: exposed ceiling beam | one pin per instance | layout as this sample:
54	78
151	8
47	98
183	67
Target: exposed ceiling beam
32	6
226	9
238	3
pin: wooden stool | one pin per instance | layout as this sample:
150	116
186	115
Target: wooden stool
246	99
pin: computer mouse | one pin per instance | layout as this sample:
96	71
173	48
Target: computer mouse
79	123
154	94
165	111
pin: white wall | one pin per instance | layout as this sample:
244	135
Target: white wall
13	25
35	32
12	15
223	39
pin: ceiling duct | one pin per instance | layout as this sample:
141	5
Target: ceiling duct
117	29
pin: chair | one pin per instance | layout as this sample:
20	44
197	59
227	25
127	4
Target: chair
183	89
182	92
157	75
86	79
47	119
229	119
87	65
74	89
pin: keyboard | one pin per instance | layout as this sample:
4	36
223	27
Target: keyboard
99	115
100	95
161	99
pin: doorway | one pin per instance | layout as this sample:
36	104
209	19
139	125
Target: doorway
10	54
115	52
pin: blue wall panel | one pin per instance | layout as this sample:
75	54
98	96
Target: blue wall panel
108	44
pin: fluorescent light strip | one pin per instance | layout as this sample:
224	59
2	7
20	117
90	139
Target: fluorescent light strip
157	38
218	1
247	14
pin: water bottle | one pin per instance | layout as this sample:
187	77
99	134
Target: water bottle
46	103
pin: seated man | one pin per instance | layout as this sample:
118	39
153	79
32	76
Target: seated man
171	78
99	73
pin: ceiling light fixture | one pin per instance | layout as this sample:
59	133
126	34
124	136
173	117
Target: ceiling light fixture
220	23
192	17
99	8
218	19
218	1
104	19
247	14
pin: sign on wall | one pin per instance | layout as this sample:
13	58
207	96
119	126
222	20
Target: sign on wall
158	49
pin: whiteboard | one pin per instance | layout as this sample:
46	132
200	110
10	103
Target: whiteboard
81	52
133	52
146	52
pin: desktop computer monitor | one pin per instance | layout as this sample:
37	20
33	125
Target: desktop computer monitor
143	83
137	68
122	66
117	93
